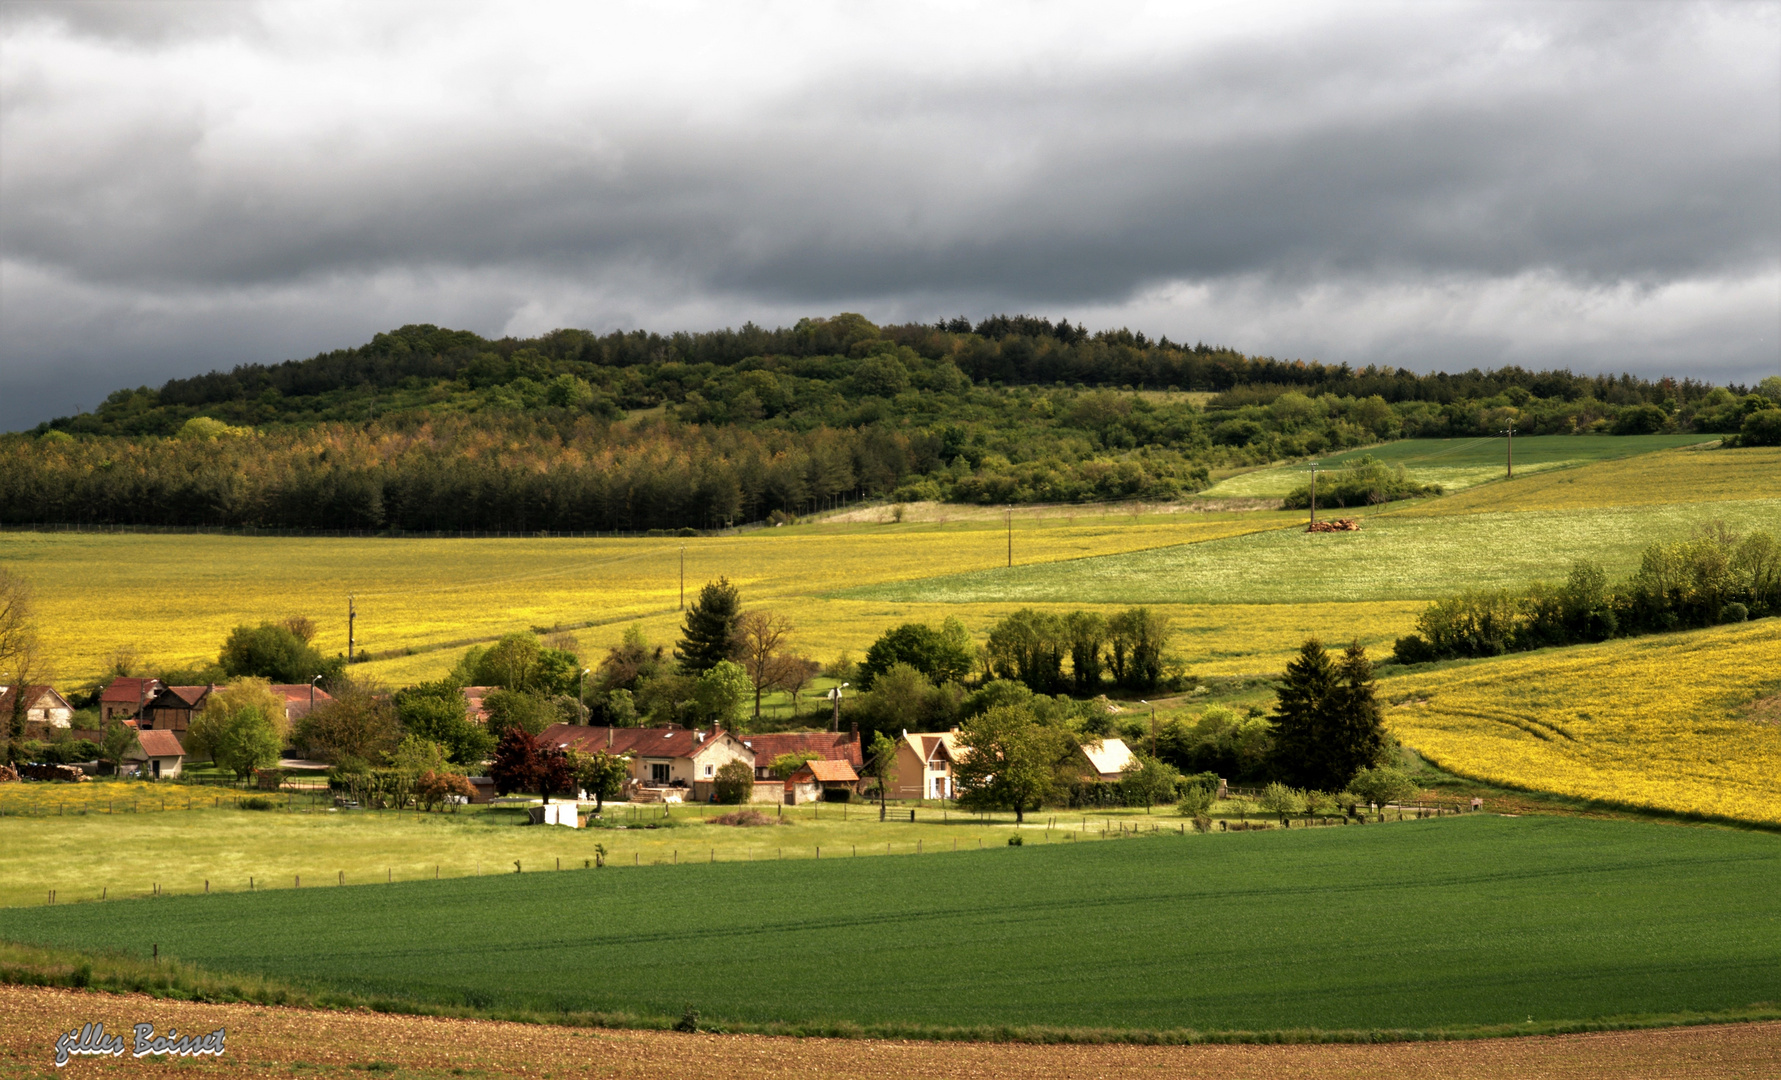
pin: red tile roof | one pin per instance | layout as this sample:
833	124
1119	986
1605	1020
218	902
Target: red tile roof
641	742
192	695
829	745
130	690
828	771
156	744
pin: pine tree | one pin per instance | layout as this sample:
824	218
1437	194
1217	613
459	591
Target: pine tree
710	634
1354	734
1300	708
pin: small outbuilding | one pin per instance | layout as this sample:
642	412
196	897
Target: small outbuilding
827	780
157	754
1108	759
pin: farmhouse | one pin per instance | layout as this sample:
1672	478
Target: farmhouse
124	697
824	745
663	760
820	778
171	708
43	706
1108	759
925	766
157	754
474	710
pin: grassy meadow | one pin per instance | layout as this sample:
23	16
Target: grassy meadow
1440	925
231	849
1457	464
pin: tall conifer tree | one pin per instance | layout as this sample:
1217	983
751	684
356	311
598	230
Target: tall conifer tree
1300	707
1354	737
710	632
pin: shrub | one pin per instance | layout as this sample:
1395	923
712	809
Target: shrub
1381	784
432	789
1362	482
1761	428
1734	612
1641	420
747	819
1282	800
735	782
1195	801
257	802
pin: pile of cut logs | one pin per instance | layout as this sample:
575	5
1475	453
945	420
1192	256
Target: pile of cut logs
1335	525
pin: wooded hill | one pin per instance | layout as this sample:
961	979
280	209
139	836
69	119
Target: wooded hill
425	428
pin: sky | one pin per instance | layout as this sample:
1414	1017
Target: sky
188	186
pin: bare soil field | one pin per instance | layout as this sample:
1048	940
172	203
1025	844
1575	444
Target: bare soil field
276	1042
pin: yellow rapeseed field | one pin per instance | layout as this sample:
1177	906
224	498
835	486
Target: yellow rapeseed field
1664	477
172	599
1657	722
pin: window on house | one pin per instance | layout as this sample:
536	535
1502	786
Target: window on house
707	770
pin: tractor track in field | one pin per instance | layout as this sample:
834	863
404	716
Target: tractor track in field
265	1041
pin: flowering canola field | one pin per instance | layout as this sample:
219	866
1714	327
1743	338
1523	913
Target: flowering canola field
171	599
1657	722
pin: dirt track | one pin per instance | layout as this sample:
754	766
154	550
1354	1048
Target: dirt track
264	1042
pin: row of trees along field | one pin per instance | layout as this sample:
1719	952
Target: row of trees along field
1716	576
425	429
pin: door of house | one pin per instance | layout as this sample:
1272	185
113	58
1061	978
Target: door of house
658	773
157	767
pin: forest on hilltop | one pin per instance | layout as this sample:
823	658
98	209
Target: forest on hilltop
430	429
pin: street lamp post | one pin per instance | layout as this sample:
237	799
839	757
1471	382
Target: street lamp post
1141	701
581	693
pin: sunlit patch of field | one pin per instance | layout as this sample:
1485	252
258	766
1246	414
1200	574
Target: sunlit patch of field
172	599
1659	722
1701	476
1395	556
1457	464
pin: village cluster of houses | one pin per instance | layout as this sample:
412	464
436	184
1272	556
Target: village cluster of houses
159	714
667	764
675	764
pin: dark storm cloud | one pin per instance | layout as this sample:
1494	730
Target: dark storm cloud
186	188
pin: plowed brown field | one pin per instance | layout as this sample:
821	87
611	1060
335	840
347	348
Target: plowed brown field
271	1042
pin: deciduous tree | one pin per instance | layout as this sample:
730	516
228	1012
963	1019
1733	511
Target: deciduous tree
1010	761
761	637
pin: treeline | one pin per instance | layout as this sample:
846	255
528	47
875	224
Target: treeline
425	429
1716	576
639	370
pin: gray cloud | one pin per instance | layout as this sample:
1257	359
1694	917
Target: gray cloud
1592	186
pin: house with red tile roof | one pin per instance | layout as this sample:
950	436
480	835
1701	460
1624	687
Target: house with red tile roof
671	758
825	745
124	696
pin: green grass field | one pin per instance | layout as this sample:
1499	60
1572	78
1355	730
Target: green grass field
1457	464
1444	924
1394	557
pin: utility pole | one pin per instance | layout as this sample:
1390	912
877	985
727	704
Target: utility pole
835	696
1152	726
1011	534
1511	434
1313	499
352	616
581	694
683	577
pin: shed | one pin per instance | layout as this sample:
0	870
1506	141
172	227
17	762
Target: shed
829	780
158	753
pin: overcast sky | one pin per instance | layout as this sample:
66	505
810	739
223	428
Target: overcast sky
189	186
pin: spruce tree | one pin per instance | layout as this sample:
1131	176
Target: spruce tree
1300	708
710	633
1354	735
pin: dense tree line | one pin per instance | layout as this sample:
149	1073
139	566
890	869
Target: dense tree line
1714	577
426	429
